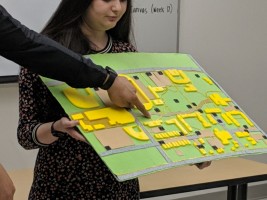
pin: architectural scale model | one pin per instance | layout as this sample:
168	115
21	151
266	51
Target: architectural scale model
192	119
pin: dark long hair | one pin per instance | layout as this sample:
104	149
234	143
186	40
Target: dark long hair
64	25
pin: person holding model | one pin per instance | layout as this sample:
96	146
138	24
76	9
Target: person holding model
66	167
48	58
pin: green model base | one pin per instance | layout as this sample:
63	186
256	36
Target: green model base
192	118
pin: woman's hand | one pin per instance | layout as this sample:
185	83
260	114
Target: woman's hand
203	164
64	125
67	126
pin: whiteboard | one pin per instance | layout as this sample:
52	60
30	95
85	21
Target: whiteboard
154	23
32	13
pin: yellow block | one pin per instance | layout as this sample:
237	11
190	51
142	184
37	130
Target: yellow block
77	116
190	88
142	96
85	127
158	102
98	126
153	123
173	74
114	116
202	151
140	134
81	100
213	110
208	80
177	123
211	119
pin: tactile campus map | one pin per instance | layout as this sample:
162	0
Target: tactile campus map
192	118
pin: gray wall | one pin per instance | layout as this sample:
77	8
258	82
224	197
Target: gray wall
228	38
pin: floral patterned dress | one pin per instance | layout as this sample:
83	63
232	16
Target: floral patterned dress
67	168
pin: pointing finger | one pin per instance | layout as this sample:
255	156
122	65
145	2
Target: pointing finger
141	107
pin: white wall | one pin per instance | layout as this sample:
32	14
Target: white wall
32	13
228	38
155	25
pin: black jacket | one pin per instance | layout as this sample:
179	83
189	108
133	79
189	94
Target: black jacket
46	57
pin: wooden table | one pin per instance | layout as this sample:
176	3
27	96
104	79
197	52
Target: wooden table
234	173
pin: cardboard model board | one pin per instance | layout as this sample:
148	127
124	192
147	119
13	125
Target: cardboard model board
192	118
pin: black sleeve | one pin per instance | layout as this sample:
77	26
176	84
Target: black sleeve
46	57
